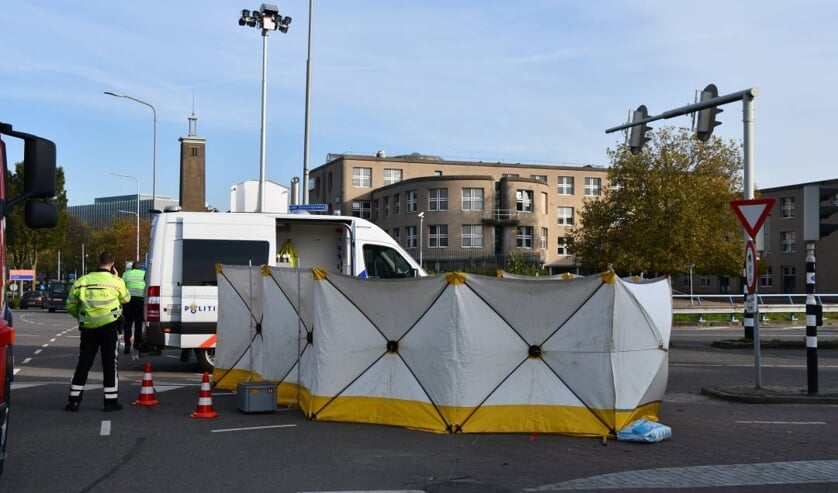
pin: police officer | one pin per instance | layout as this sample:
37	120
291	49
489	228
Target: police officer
135	282
96	300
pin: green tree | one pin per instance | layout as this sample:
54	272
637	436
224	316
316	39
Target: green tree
667	207
26	246
79	241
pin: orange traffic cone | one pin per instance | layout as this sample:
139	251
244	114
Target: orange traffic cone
147	390
204	409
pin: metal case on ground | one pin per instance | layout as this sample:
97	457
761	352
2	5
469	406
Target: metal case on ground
256	397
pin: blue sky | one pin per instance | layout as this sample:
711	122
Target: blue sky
536	81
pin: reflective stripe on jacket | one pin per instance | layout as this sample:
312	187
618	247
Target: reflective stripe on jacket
96	299
135	282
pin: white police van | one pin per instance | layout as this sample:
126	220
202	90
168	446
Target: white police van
181	302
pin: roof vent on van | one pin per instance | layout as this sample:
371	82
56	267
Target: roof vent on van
172	208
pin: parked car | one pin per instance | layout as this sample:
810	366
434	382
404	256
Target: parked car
58	292
33	299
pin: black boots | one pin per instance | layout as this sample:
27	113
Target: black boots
112	405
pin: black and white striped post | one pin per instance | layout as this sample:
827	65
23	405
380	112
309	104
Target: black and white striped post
811	321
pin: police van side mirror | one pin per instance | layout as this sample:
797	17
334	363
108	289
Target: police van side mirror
38	167
39	214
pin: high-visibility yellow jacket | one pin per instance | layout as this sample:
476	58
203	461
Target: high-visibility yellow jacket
135	282
96	299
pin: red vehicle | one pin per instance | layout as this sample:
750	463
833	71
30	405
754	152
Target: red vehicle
39	212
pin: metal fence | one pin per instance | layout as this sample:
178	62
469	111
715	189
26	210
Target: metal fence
482	263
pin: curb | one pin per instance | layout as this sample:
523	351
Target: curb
772	395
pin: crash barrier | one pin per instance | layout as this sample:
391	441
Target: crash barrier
449	353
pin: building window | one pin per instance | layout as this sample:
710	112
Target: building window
509	175
362	177
438	199
396	236
397	204
523	237
565	216
376	208
392	176
704	281
523	200
787	207
361	208
472	199
788	241
411	237
438	172
617	185
685	283
472	236
438	236
563	247
565	185
386	206
593	186
542	178
193	150
411	201
543	238
766	280
544	203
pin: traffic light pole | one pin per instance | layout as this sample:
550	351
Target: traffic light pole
747	97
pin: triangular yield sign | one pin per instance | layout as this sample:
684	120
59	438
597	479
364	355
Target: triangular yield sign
752	213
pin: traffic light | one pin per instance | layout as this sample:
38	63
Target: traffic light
707	117
820	210
637	137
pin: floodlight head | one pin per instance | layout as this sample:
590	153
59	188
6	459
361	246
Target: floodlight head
283	24
242	20
251	21
269	9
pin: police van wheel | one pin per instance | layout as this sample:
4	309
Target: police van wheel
206	358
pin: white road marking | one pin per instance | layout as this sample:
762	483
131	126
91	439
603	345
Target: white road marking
37	352
252	428
781	422
27	360
105	430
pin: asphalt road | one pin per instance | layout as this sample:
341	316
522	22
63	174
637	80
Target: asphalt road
716	445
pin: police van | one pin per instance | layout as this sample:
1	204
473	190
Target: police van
181	302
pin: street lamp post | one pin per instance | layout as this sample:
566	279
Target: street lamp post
421	221
137	257
153	148
267	18
690	266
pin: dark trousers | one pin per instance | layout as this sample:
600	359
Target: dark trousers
101	339
133	313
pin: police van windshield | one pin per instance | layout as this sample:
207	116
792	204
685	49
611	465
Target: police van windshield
385	263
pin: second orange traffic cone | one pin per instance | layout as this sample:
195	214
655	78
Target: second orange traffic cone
204	409
147	397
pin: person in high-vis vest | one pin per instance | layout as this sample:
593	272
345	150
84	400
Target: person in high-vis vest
135	282
96	300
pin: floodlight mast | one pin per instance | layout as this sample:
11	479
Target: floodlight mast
267	18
